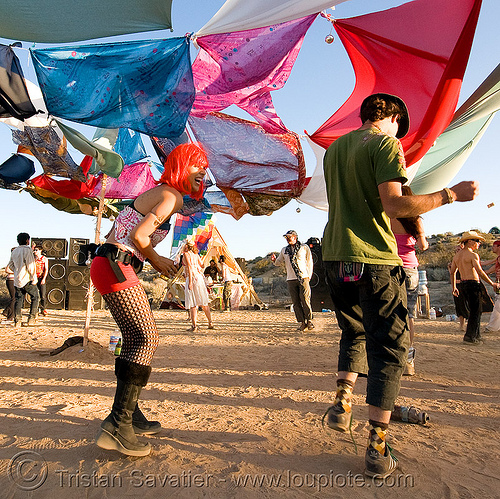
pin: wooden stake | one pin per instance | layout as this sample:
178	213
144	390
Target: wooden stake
90	294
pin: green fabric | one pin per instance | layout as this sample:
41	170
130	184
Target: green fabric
109	161
358	229
60	21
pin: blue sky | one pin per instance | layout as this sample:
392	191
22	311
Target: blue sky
320	82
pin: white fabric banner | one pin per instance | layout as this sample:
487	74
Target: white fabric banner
241	15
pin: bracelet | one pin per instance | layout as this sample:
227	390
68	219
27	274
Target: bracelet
449	195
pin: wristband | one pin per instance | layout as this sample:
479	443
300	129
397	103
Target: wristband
449	195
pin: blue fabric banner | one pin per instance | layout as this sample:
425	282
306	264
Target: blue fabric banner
143	85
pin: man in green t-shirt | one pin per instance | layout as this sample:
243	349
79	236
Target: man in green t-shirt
364	171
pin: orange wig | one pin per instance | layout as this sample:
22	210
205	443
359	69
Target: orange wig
176	168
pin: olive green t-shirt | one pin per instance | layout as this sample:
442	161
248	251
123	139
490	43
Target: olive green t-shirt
358	229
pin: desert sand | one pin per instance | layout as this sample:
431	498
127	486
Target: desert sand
241	410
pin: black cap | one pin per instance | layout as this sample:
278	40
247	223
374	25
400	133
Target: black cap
404	119
291	233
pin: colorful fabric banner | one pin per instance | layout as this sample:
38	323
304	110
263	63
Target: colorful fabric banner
240	15
107	160
50	150
243	68
134	180
56	21
245	158
14	98
143	85
405	51
452	148
129	146
197	228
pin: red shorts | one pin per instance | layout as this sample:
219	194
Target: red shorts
104	278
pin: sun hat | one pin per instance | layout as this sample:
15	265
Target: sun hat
471	234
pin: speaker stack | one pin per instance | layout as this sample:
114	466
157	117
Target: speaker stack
56	284
52	248
77	285
320	294
77	254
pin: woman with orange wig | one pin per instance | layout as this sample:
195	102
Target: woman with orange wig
135	233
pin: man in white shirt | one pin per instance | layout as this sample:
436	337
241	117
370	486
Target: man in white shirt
22	263
299	270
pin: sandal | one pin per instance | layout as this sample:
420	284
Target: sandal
194	329
211	326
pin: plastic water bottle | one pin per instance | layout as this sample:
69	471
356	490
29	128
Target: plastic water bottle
409	415
432	313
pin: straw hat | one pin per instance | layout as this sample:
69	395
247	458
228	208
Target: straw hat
471	234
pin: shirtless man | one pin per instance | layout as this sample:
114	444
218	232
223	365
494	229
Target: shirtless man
468	264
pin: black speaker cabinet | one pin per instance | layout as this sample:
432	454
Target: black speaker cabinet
76	299
320	294
76	255
56	284
77	278
56	296
57	271
52	248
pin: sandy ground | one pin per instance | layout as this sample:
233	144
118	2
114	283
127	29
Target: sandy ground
241	409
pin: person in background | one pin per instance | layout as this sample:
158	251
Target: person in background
461	307
409	232
467	262
364	172
227	279
22	263
8	311
212	271
196	294
299	266
42	269
132	240
494	322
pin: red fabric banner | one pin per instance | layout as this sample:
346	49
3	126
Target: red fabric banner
417	51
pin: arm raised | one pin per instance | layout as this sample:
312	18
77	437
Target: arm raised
398	206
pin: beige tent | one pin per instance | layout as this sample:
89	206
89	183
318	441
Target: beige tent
243	291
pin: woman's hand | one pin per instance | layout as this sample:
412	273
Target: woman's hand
164	265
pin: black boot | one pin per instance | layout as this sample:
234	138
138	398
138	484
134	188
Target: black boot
142	426
117	432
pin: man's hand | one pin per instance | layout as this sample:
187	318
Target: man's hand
455	292
466	190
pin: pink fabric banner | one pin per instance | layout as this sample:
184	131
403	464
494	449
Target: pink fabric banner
407	52
242	68
134	180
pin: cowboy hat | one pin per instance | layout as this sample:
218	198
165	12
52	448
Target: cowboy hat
471	234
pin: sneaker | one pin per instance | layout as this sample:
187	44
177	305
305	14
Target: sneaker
310	325
378	466
337	418
302	326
